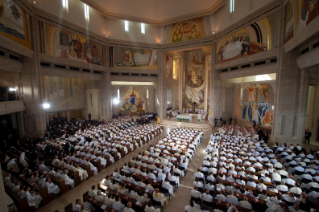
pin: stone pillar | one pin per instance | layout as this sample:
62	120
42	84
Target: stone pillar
302	111
161	91
105	90
3	205
215	89
32	90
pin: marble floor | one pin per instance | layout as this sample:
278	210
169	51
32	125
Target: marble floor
180	197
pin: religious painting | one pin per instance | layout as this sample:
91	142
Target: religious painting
289	32
64	44
135	58
15	23
299	13
195	79
256	104
133	101
253	39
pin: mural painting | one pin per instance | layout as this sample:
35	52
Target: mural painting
256	38
14	23
135	58
195	79
256	104
299	13
64	44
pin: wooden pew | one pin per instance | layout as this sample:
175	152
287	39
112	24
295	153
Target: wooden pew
125	198
22	204
60	182
46	197
68	208
96	204
72	174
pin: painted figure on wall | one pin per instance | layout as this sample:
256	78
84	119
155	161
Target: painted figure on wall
135	58
187	30
257	110
195	79
256	38
299	13
133	98
14	23
63	44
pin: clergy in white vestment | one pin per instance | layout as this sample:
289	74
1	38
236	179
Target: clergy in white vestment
44	167
159	197
52	188
33	199
118	205
83	173
207	197
13	165
168	186
128	207
23	161
93	191
67	179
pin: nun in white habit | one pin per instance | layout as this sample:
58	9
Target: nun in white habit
22	160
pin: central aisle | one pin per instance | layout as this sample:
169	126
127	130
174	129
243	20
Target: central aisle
182	195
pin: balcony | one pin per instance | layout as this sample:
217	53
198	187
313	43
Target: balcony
11	107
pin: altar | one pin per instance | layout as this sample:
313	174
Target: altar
184	118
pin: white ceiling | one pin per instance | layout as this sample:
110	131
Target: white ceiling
155	11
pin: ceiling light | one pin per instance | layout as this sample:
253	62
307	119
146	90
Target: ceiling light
116	101
34	2
106	35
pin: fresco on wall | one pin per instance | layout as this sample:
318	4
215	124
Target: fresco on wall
299	13
64	44
194	79
14	23
256	38
256	104
135	58
187	30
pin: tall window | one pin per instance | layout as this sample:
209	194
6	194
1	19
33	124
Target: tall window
126	26
142	28
232	6
65	3
86	12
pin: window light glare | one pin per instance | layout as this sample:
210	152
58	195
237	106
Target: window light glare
266	77
232	6
65	3
46	105
142	28
12	89
86	11
126	26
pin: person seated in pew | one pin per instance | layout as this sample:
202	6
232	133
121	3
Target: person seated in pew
282	187
12	164
52	188
100	196
118	205
67	179
198	183
33	199
109	200
245	204
93	191
128	207
82	173
230	198
35	177
131	179
11	183
23	161
207	197
263	195
141	184
43	167
56	161
159	197
16	187
107	181
151	175
7	179
122	189
149	207
168	186
220	196
191	207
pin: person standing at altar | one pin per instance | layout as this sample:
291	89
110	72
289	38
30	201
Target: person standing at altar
230	119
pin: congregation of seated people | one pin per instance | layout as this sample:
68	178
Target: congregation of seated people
38	170
240	174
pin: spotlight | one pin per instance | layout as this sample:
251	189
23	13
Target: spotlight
12	89
46	105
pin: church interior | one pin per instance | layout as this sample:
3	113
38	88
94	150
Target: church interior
180	105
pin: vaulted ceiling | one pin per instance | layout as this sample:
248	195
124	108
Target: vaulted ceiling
157	12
